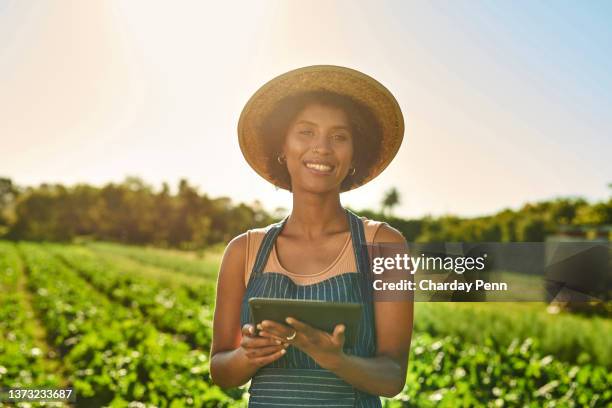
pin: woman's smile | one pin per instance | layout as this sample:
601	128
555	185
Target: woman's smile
319	167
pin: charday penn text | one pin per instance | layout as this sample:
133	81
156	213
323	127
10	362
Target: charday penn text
458	265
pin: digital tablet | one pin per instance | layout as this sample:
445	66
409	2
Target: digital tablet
319	314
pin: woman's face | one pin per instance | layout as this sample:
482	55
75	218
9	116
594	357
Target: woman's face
319	149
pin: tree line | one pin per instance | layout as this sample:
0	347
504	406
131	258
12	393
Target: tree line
533	222
134	212
129	212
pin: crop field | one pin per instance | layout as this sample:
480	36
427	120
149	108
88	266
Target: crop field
130	326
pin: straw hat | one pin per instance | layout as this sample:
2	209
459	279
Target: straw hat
340	80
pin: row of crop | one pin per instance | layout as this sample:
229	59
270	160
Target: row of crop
199	273
199	288
22	360
170	260
572	338
170	309
112	355
445	372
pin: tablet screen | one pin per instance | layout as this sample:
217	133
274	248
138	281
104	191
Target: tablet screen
318	314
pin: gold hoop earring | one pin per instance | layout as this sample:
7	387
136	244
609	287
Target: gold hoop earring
280	159
352	171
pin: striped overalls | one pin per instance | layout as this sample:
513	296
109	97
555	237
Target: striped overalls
295	380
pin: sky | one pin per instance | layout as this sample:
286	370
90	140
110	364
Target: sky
504	102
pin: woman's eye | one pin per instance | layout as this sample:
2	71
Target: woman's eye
340	137
306	132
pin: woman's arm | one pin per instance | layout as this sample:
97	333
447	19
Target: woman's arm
383	374
236	353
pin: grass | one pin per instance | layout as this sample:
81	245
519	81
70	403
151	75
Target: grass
133	267
204	265
572	338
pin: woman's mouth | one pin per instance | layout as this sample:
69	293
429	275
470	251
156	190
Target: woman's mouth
319	168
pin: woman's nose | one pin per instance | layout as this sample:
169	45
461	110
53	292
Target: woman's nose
322	145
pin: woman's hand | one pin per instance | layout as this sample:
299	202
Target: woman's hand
260	350
326	349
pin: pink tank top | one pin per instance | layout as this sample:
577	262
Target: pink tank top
344	262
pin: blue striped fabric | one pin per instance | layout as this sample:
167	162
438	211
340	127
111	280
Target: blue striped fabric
296	380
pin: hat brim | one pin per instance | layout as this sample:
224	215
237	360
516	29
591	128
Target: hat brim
341	80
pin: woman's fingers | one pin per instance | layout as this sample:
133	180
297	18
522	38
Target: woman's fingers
256	342
248	330
338	334
301	327
272	337
279	331
263	351
262	361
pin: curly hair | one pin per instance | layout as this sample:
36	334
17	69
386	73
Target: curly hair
365	129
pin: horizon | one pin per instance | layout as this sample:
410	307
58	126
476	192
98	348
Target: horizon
173	189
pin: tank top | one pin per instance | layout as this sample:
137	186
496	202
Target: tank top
296	380
344	262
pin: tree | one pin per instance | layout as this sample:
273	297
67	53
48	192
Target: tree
595	214
531	229
390	200
8	195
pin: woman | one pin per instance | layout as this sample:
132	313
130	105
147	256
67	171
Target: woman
316	131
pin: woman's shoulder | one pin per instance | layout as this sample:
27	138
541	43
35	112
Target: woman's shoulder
250	235
253	238
380	231
257	234
260	230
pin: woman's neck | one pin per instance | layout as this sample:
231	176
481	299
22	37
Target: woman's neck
314	215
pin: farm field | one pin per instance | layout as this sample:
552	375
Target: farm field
131	326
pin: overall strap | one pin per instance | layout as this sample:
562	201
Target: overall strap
361	255
266	246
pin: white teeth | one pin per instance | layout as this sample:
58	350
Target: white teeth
319	166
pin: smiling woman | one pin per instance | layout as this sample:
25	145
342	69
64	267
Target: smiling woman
316	131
